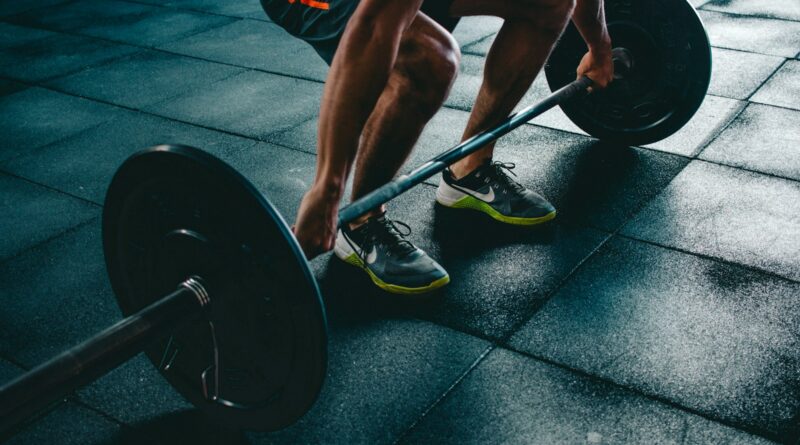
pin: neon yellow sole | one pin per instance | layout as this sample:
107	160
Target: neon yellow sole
393	288
472	203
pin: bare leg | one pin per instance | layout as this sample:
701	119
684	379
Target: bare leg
426	66
517	55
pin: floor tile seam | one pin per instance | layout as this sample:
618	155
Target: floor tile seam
718	130
50	188
746	169
529	314
689	158
144	110
705	8
707	141
71	398
684	431
165	51
55	89
77	32
99	64
193	89
33	8
255	141
103	63
742	50
199	11
444	395
475	41
768	78
4	170
5	163
76	399
712	258
466	49
166	118
26	250
16	363
194	33
762	432
780	107
31	421
60	139
250	68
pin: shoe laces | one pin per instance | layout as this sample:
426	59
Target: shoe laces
498	171
389	233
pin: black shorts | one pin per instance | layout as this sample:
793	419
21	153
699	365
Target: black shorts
322	23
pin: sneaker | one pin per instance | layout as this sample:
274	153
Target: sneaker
393	263
489	189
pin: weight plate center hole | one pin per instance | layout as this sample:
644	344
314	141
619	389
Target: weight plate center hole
623	62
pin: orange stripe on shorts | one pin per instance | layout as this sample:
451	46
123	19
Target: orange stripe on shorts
314	4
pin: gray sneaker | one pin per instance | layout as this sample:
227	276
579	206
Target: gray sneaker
489	189
392	262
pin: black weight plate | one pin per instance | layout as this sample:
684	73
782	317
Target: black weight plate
664	87
173	212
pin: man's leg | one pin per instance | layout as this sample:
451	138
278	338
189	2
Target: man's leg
419	83
518	53
427	64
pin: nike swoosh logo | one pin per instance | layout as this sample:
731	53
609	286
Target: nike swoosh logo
485	197
372	256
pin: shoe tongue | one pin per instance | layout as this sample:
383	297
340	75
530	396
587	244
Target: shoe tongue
484	169
397	242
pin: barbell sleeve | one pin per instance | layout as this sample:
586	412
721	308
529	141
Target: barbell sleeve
403	183
45	384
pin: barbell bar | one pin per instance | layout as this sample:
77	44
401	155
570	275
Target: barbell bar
218	293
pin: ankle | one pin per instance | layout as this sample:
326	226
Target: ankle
361	220
467	166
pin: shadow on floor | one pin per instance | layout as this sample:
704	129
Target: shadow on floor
189	426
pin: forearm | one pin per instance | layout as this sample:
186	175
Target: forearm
590	19
358	75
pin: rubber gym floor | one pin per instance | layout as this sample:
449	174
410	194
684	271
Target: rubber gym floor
660	307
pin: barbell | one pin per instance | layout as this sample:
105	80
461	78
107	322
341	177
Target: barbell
218	293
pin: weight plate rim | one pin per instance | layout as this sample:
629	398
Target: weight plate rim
113	206
650	137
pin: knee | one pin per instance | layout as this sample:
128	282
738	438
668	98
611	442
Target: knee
429	68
